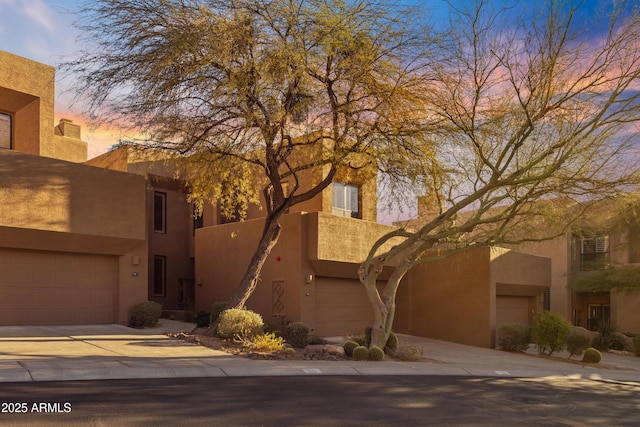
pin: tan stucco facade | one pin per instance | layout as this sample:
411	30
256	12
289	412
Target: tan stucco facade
311	276
73	238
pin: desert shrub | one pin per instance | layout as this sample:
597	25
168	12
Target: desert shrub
360	353
376	353
608	337
202	319
359	338
145	314
591	355
636	345
268	342
216	309
514	337
409	353
315	340
296	334
576	344
239	324
392	344
348	347
550	332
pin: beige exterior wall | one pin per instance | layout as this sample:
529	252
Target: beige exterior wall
27	93
455	299
452	299
53	205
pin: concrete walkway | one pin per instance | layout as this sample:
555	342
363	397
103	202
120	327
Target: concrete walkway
60	353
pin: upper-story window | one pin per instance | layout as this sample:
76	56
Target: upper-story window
159	212
5	131
345	200
594	253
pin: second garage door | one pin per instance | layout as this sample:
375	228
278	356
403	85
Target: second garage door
56	288
512	309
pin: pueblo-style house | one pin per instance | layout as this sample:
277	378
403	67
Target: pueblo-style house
82	240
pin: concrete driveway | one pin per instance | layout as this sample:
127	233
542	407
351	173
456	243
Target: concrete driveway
57	353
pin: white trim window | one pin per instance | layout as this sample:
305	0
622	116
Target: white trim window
345	200
594	253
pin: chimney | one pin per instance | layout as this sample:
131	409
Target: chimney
67	129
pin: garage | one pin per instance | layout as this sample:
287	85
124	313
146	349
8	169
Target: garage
341	307
56	288
512	309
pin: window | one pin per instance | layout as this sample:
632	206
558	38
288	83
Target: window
546	300
159	275
159	212
345	200
594	253
5	131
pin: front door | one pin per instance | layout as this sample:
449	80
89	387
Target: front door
597	313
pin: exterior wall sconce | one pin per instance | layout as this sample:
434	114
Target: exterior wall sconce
309	279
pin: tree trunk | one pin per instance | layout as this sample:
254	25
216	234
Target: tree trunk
269	238
384	306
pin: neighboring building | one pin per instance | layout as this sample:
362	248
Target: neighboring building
81	243
72	237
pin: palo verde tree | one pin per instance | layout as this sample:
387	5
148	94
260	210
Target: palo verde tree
249	95
536	112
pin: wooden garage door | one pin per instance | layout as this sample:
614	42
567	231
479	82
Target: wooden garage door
512	309
56	288
341	307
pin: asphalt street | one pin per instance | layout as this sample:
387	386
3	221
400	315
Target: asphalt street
324	401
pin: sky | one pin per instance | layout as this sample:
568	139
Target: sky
42	30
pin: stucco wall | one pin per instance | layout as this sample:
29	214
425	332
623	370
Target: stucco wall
58	196
624	311
452	300
223	253
559	251
27	92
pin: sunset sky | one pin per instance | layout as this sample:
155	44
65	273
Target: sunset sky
43	30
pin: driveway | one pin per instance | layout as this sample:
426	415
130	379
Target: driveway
52	353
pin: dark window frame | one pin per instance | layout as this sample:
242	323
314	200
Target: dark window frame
160	212
159	275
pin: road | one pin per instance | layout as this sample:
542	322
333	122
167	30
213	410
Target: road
323	401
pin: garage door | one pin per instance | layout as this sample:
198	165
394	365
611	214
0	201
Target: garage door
342	307
56	288
512	309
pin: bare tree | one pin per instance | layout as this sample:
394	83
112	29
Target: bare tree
536	123
253	93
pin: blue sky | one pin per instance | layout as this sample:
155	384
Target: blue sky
43	30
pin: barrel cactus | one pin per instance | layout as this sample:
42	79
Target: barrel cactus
376	353
348	347
591	355
360	353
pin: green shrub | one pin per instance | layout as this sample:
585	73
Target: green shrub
145	314
239	324
348	347
296	334
360	353
514	337
591	355
268	342
608	337
216	309
202	319
576	344
376	353
550	332
392	344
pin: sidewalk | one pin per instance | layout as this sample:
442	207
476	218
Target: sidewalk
62	353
